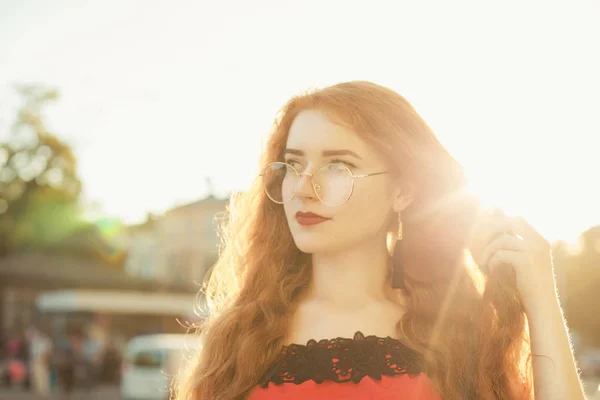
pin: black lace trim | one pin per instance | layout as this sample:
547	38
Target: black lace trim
343	360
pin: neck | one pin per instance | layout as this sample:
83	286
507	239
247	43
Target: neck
354	277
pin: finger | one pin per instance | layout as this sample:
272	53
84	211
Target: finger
528	232
487	230
502	258
488	233
504	242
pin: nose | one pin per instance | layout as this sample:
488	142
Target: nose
304	188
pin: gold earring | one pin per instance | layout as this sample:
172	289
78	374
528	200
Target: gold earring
399	226
398	260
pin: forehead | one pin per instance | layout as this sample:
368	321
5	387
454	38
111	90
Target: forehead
312	131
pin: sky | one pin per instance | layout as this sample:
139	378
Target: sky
157	96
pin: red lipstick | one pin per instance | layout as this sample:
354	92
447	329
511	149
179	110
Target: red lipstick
309	218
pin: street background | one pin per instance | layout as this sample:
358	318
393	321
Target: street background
126	126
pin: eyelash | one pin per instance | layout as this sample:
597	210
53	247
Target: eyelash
291	161
346	163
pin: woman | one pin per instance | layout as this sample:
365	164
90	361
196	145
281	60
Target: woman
345	272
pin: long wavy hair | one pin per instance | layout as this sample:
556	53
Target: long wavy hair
470	330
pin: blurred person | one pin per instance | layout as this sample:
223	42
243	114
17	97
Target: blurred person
17	364
54	365
3	344
7	344
357	266
93	348
109	363
70	360
17	372
24	355
3	358
40	357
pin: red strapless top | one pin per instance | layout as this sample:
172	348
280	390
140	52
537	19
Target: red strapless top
368	367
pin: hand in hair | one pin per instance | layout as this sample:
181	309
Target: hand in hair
502	244
513	253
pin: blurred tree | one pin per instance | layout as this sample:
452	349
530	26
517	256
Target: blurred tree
578	275
39	186
583	281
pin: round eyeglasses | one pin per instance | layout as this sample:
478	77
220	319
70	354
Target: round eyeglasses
333	183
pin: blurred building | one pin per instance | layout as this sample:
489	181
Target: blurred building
187	239
142	246
80	279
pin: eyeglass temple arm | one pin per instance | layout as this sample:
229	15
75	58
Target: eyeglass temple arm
367	175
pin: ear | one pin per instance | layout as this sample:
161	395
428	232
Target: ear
404	195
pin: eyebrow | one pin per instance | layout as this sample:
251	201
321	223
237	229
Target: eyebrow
326	153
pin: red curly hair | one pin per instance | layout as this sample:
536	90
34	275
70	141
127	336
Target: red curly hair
470	331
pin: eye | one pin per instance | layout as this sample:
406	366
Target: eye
294	163
344	163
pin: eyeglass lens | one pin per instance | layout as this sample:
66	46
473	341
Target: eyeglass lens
332	183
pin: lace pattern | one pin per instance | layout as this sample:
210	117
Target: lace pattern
343	360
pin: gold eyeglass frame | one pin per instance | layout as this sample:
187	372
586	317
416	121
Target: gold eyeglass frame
312	183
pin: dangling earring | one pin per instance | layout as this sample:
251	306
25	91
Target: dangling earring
397	260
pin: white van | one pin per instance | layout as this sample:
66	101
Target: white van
151	362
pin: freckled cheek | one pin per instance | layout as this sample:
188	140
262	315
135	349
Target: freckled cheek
370	206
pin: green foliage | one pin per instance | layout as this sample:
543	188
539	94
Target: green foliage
39	185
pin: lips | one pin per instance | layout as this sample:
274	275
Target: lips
310	218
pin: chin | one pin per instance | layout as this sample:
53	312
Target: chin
308	242
309	248
313	242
